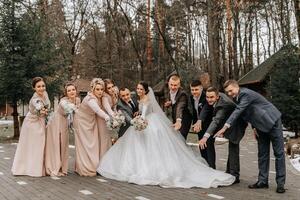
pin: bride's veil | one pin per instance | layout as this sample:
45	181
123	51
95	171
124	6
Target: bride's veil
156	108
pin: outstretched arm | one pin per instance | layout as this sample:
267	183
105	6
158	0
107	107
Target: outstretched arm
245	101
92	103
128	118
107	106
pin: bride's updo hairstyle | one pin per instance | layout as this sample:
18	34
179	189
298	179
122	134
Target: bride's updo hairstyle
145	86
95	82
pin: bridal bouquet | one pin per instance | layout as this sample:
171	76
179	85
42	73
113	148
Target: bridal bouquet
116	121
139	123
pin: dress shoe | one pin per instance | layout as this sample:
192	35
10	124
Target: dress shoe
280	189
258	185
236	181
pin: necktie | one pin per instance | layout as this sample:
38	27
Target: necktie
131	105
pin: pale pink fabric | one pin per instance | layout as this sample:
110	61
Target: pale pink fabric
29	156
86	136
57	141
105	141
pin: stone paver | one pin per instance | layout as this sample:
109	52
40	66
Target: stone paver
74	187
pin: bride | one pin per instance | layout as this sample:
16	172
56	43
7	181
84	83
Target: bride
158	155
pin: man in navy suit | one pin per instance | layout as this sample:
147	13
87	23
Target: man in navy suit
201	120
266	119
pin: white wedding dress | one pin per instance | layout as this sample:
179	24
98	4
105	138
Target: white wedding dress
158	155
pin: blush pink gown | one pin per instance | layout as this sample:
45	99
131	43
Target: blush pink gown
29	156
57	141
87	148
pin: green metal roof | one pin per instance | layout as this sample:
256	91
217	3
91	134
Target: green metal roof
259	73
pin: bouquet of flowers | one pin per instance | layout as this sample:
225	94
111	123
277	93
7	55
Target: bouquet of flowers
69	110
116	121
139	123
39	107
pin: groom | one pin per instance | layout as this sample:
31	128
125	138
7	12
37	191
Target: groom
128	105
178	100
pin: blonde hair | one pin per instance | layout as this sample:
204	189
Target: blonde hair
96	81
174	77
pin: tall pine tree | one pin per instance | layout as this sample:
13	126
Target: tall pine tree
26	50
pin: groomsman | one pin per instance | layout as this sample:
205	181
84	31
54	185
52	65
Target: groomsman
178	100
128	104
266	119
198	101
222	108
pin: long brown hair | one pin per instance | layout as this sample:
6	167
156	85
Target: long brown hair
106	82
35	80
67	85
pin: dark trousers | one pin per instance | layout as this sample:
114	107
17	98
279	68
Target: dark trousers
264	139
185	127
233	161
209	153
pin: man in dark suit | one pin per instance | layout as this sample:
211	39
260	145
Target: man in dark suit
128	104
198	101
266	119
181	115
222	108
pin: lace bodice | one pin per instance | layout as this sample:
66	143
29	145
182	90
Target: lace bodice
145	109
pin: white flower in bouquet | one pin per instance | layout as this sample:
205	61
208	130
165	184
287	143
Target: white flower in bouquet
119	117
116	121
139	123
69	108
39	106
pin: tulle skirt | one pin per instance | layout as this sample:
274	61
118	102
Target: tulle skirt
158	155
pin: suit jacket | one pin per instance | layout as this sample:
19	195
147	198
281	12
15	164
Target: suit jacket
207	113
222	110
255	109
128	113
180	107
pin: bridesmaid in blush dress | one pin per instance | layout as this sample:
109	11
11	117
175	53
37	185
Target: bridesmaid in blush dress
87	131
29	156
111	95
108	103
57	138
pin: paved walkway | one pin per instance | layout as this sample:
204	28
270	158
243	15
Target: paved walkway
76	187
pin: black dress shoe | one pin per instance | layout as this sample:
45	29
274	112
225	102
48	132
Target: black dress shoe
236	181
280	189
258	185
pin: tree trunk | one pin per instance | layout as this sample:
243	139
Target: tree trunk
235	40
297	15
16	120
213	25
229	36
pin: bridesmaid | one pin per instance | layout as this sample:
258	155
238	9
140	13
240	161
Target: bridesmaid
57	139
86	130
29	157
109	104
111	96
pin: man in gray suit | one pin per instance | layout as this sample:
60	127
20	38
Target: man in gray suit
266	119
128	104
222	108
